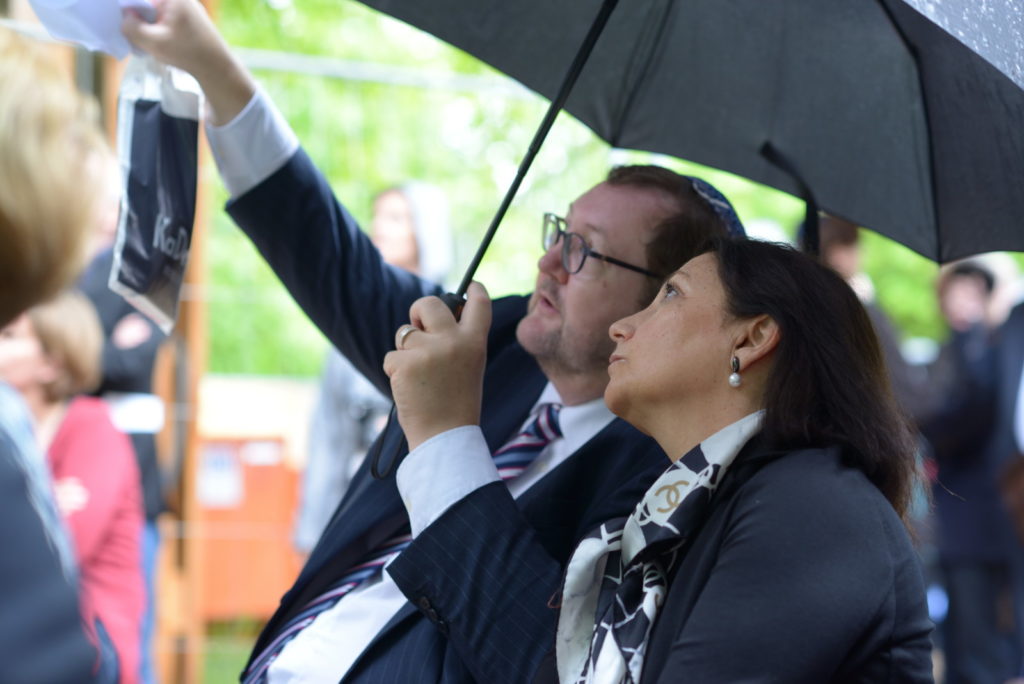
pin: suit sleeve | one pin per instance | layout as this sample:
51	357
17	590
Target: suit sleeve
499	616
804	576
328	265
41	634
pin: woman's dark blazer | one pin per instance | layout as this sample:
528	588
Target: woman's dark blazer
802	572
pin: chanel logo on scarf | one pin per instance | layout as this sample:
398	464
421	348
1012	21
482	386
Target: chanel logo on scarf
673	495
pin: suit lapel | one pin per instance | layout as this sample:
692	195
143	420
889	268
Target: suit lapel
338	550
509	393
407	612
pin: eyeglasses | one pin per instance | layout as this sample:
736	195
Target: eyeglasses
575	249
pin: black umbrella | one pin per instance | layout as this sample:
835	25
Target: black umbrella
883	110
864	107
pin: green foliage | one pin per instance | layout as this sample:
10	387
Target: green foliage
226	649
367	136
903	282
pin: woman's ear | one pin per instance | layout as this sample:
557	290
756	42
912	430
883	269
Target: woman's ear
758	338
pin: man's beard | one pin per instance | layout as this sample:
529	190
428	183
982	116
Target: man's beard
562	352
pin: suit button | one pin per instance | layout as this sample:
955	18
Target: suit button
424	604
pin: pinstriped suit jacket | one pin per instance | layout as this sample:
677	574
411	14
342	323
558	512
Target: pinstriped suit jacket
335	274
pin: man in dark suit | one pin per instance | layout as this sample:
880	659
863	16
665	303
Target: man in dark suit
1004	440
548	349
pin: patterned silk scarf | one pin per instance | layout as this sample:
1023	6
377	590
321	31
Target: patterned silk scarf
615	582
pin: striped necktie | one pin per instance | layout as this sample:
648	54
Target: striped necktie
511	460
520	451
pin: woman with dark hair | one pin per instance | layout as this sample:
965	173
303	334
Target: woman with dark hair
772	549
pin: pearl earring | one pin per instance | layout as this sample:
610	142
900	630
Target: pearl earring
734	378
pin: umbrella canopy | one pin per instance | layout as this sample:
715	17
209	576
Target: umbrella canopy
992	28
889	117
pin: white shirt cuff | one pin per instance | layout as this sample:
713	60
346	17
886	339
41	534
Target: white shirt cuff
252	146
441	472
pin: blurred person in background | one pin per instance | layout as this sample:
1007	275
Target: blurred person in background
50	355
975	385
51	152
130	345
840	251
411	230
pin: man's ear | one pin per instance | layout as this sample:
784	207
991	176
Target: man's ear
758	338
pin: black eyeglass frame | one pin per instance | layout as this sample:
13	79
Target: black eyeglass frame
550	238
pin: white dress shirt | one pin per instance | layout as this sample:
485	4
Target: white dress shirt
439	473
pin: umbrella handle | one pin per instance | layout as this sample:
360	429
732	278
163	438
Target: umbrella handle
456	300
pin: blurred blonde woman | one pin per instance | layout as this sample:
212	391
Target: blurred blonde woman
52	158
50	145
50	355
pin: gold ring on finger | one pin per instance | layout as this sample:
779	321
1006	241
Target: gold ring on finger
404	332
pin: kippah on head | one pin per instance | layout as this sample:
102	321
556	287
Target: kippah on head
723	208
679	187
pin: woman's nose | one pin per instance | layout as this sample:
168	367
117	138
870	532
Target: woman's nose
621	329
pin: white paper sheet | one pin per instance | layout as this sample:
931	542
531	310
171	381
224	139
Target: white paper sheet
94	24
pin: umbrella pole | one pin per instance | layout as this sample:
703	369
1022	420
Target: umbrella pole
538	139
455	301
